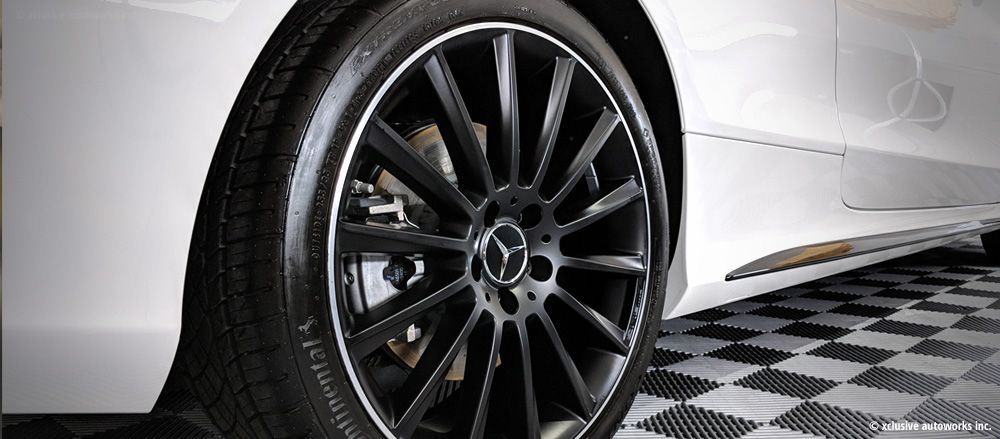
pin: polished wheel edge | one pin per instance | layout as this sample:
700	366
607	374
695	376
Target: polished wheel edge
350	152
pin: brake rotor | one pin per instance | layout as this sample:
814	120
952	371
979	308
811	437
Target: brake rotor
430	145
427	142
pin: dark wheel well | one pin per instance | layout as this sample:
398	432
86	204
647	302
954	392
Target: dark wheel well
632	36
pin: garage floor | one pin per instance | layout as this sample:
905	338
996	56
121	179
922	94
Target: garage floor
913	339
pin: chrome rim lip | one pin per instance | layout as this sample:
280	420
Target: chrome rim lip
344	169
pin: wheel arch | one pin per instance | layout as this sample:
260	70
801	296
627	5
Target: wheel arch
631	33
310	173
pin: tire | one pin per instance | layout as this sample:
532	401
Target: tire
269	320
991	243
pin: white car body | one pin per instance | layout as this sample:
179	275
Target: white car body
875	124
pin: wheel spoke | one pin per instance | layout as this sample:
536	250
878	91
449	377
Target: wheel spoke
618	198
578	387
510	147
607	329
480	367
414	396
626	265
404	163
460	139
561	79
598	136
389	319
360	238
520	355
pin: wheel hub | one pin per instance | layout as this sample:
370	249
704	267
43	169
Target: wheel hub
504	253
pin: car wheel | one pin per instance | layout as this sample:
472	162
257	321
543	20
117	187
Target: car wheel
429	219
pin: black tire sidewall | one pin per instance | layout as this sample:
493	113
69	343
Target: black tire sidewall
378	50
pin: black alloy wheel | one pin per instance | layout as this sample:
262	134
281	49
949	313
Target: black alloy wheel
534	262
429	219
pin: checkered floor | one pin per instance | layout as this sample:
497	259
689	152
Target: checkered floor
914	339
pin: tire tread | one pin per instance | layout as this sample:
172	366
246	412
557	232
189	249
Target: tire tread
235	344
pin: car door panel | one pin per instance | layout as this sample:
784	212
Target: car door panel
756	70
918	91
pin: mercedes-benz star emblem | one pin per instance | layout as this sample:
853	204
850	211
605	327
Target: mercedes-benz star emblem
504	252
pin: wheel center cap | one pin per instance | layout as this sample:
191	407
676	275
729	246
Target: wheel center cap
504	252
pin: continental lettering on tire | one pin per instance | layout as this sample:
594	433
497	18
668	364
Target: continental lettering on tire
340	417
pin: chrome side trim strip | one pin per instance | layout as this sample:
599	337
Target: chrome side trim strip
849	248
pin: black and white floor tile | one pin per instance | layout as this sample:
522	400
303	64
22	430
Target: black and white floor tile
915	339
